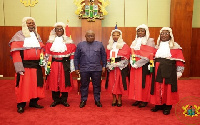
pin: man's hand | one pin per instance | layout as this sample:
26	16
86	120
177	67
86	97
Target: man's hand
179	74
21	73
77	72
103	70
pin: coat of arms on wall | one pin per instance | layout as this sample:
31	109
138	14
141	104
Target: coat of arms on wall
28	3
91	11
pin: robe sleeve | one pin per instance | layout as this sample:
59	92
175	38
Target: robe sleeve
17	60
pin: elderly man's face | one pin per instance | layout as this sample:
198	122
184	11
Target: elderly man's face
31	25
141	32
165	35
90	37
59	31
115	36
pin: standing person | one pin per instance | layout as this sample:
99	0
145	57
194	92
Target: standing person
26	47
88	57
169	66
118	53
62	49
143	49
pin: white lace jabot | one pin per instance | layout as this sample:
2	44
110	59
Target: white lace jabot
31	41
58	45
164	50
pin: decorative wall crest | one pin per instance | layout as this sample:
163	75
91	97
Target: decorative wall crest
91	11
28	3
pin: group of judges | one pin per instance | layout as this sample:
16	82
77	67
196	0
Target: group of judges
146	72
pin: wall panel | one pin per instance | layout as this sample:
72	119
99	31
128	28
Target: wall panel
1	13
159	13
14	12
8	68
196	13
1	49
44	13
115	14
195	53
181	23
135	12
66	11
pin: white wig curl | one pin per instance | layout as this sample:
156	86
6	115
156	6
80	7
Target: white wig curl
53	35
120	42
171	42
143	26
25	29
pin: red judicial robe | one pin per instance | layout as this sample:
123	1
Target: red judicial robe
115	85
56	79
27	88
163	92
136	91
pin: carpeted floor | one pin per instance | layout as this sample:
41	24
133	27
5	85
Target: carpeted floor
89	115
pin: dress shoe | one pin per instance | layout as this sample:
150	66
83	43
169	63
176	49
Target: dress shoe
166	112
136	103
114	104
98	104
20	110
119	105
54	104
143	104
155	109
36	106
82	104
65	104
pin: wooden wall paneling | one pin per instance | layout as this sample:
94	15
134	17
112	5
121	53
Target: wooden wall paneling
106	32
95	26
128	34
154	33
44	33
1	49
181	23
8	67
76	34
195	53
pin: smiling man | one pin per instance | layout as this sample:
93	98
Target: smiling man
26	47
169	66
62	49
87	60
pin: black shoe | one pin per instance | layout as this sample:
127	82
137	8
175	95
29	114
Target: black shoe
65	104
143	104
54	104
82	104
36	106
98	104
155	109
119	105
136	103
20	110
166	112
114	104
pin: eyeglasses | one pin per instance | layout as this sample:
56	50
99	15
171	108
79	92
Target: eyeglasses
164	33
59	29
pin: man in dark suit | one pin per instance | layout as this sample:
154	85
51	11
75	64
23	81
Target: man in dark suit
87	60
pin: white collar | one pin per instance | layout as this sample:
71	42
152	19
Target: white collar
31	41
58	45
